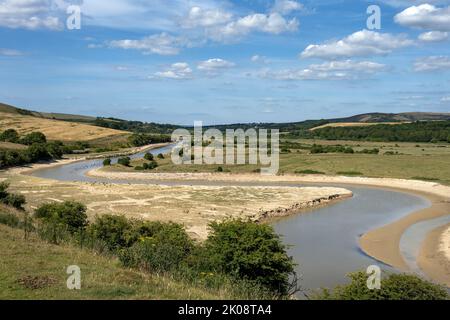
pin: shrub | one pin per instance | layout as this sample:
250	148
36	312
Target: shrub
38	151
116	231
393	287
148	156
33	137
107	162
219	169
71	214
160	156
9	135
150	166
55	149
15	200
124	161
11	199
250	251
9	219
139	168
161	247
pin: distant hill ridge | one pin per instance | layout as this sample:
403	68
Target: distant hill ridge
375	117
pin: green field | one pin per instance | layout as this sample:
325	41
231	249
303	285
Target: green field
422	161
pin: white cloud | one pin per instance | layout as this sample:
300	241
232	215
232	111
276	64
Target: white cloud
162	44
425	16
259	59
286	6
433	36
199	17
29	14
361	43
214	65
407	3
445	99
177	71
333	70
434	63
273	23
10	52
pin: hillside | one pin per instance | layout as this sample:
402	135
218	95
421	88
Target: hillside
35	269
25	121
394	117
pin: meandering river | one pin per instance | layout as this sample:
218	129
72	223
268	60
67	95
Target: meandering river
324	242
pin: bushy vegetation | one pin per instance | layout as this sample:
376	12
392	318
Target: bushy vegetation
142	139
148	156
125	161
107	162
69	213
9	219
317	148
150	166
38	149
393	287
250	251
423	131
11	199
134	126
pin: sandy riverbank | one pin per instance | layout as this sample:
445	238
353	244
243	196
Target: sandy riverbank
382	243
434	256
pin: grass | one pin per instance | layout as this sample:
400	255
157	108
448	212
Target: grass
55	129
428	160
354	124
34	269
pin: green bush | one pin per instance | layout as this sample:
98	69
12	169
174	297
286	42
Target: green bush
393	287
115	231
71	214
250	251
150	166
15	200
160	156
148	156
33	137
11	199
124	161
219	169
9	219
139	168
107	162
9	135
160	247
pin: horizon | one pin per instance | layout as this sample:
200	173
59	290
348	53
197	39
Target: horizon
225	61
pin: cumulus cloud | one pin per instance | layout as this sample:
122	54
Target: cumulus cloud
29	14
162	44
214	65
177	71
259	59
273	23
286	6
433	63
333	70
407	3
361	43
198	17
433	36
425	16
445	99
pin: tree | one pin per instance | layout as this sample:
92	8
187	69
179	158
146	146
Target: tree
107	162
393	287
148	156
250	251
116	231
9	135
33	137
124	161
71	214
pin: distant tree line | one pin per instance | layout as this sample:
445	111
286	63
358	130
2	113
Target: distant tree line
134	126
142	139
423	131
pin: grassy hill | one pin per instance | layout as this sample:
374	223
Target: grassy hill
34	269
25	121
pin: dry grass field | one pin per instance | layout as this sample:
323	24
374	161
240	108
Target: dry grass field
56	129
354	124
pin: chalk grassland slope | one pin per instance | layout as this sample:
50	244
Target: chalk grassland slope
55	129
353	124
33	269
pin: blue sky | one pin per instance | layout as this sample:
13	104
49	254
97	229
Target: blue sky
223	61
